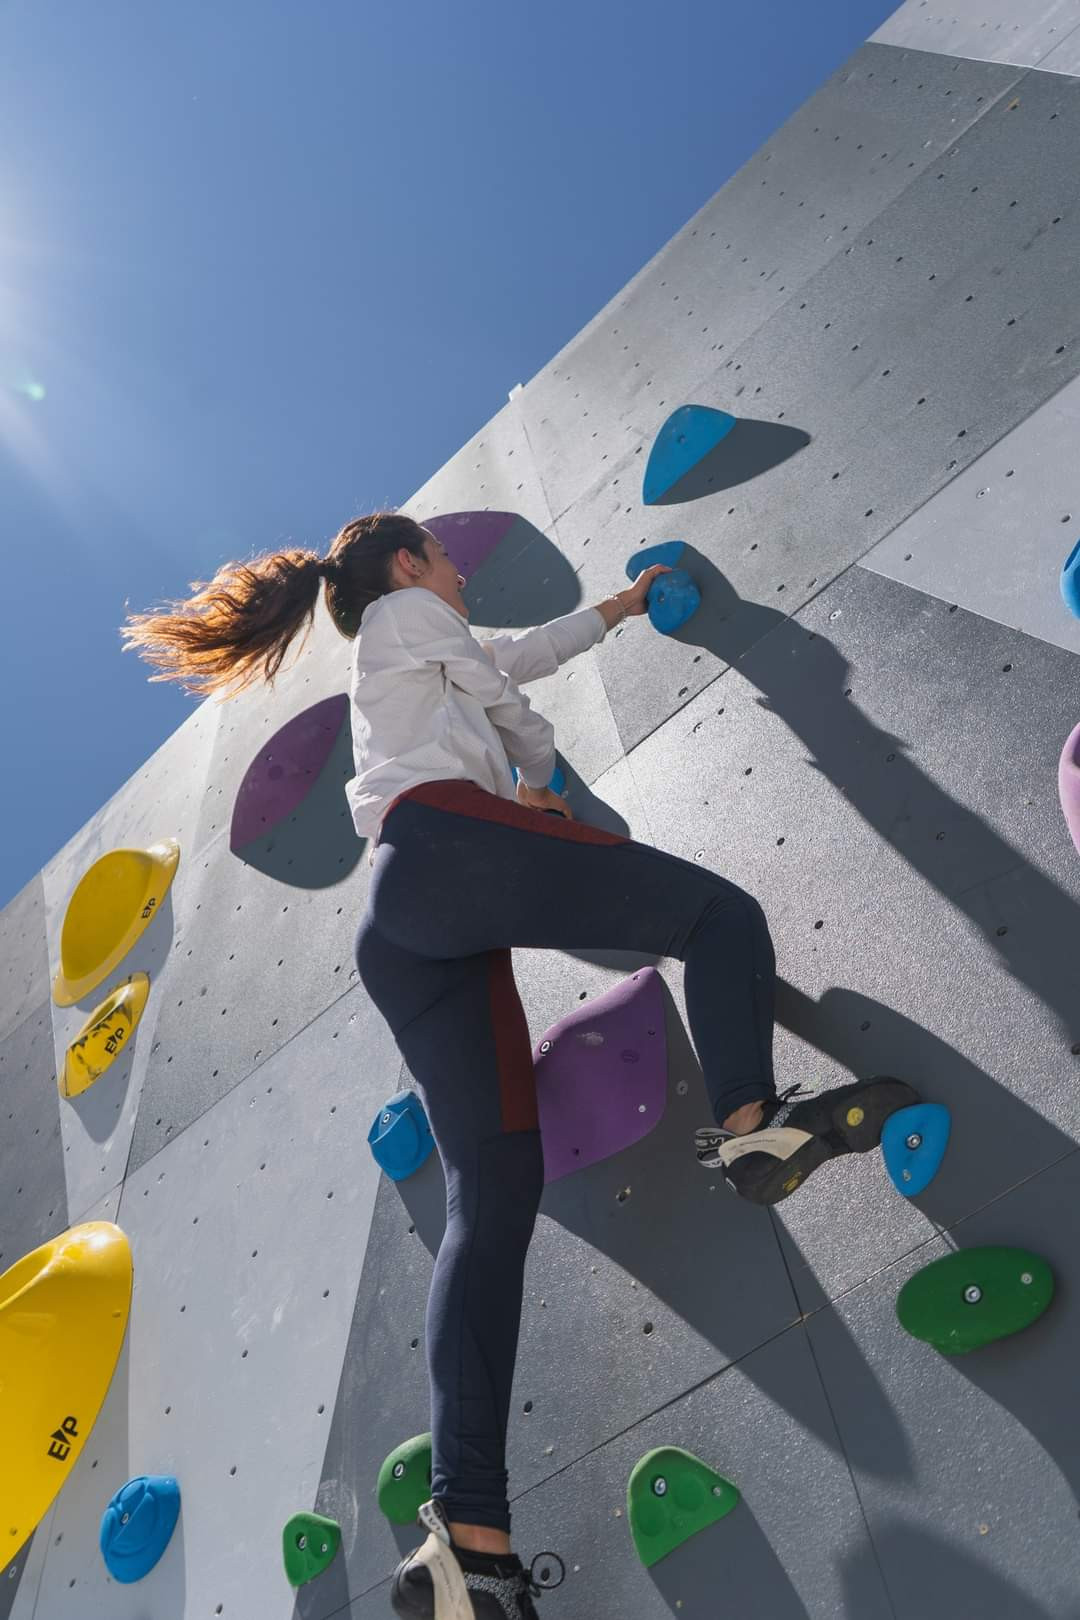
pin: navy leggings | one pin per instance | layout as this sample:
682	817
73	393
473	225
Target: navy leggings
461	875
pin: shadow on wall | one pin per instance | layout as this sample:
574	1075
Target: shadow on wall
805	681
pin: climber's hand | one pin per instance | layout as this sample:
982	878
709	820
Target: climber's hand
542	799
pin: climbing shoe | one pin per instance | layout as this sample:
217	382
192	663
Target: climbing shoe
796	1136
442	1581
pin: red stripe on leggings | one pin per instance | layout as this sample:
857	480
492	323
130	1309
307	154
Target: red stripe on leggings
513	1048
468	799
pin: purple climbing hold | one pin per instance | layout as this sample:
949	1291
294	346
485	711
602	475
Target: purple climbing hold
1069	783
471	537
601	1075
285	770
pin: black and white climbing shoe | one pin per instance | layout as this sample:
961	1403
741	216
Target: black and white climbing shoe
796	1136
442	1581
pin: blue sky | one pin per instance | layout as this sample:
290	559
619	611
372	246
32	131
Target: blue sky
265	266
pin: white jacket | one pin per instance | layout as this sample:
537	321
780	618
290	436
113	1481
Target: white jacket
430	702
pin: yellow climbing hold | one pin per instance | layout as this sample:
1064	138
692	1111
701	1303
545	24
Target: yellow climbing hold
855	1116
104	1035
113	902
63	1313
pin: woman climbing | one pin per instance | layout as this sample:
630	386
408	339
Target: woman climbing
465	868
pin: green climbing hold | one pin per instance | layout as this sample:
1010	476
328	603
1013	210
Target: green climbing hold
972	1297
405	1480
310	1543
671	1496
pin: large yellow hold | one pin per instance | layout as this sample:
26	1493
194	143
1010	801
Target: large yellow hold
112	903
63	1314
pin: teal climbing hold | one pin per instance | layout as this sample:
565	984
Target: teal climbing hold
672	1495
400	1136
137	1525
1070	580
405	1480
309	1543
913	1143
688	435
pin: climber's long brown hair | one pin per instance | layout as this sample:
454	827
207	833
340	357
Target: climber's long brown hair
240	624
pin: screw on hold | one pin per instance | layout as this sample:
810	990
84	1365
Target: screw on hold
914	1141
973	1294
1026	1278
545	1046
399	1469
718	1490
906	1174
385	1120
659	1486
301	1542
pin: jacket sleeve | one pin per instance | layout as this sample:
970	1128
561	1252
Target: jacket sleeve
541	651
432	633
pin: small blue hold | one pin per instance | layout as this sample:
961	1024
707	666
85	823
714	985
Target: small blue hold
1070	580
913	1143
673	598
137	1525
400	1137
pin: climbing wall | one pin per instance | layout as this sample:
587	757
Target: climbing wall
862	725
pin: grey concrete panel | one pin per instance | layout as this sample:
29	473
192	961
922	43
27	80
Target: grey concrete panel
613	1236
877	452
493	471
33	1205
795	1546
248	1238
24	955
162	800
967	1467
989	30
1064	58
996	538
242	980
834	166
864	773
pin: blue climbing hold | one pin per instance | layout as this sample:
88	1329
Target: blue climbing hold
688	435
557	783
673	597
1070	580
913	1143
137	1525
400	1137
